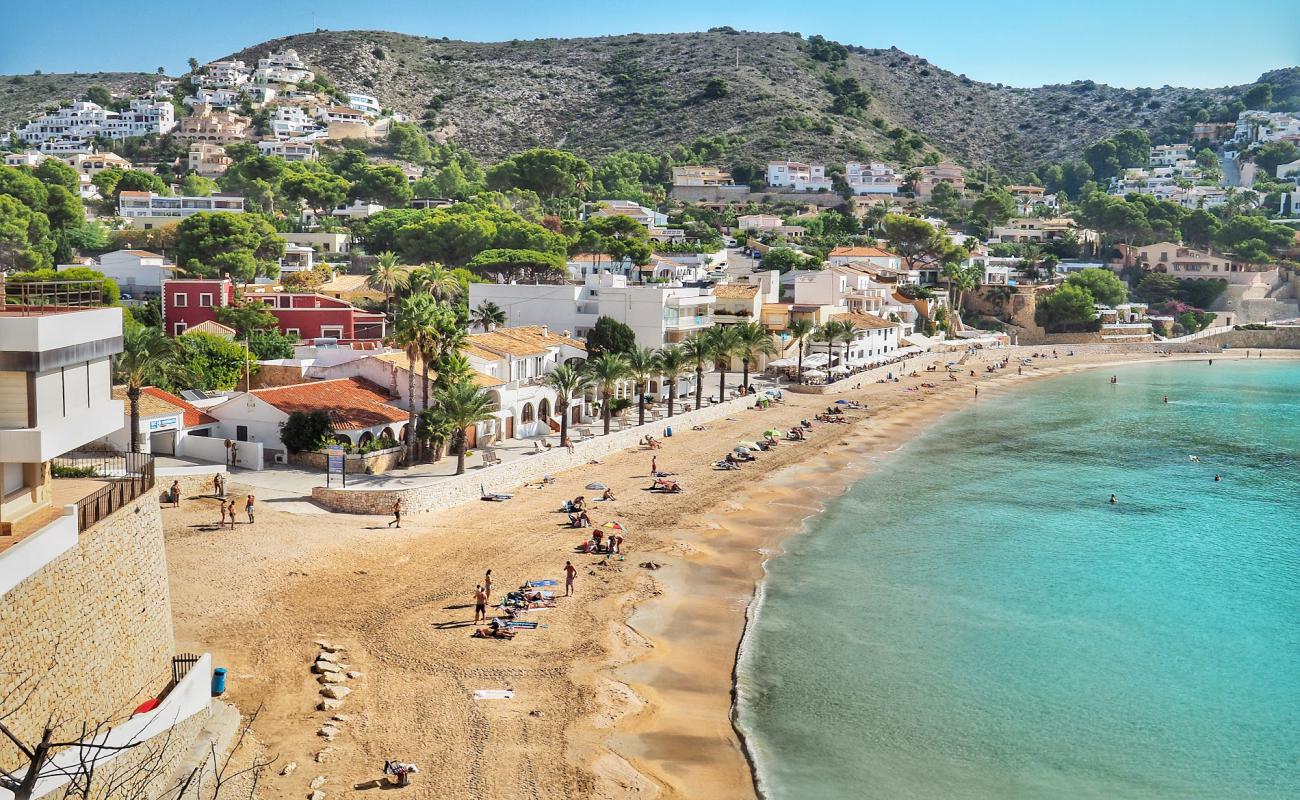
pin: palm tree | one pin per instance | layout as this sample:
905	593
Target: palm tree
435	431
830	334
848	332
754	340
695	349
568	383
607	370
414	318
435	280
672	363
387	276
800	330
488	314
723	344
642	365
148	357
462	405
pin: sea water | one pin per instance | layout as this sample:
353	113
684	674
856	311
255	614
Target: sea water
976	620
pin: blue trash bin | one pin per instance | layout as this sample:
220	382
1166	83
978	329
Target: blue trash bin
668	431
218	681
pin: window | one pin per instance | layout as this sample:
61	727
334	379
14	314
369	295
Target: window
335	331
205	300
180	301
179	328
291	332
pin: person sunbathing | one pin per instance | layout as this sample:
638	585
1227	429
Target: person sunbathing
665	485
500	632
579	520
608	495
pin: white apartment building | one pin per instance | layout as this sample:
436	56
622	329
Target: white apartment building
215	97
223	75
1167	155
27	158
367	104
872	178
288	122
282	67
1264	126
207	159
138	273
626	208
798	176
289	150
658	314
55	384
70	128
147	210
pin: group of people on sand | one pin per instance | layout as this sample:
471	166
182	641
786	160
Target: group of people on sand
530	595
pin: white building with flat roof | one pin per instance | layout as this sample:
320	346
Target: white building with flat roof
871	178
798	176
659	314
147	210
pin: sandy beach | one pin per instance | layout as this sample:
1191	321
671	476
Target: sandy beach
624	690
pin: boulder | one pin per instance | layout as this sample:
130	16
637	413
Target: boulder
325	655
317	782
289	768
335	691
355	674
321	667
324	754
316	795
331	677
328	704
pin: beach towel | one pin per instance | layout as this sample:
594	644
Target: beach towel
514	623
494	694
547	582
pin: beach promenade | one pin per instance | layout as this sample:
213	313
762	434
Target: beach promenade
622	690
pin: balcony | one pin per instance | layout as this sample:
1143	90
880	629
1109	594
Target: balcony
683	323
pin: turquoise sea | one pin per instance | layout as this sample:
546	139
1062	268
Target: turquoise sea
975	620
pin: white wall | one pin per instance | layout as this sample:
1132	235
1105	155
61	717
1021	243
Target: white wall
531	304
248	455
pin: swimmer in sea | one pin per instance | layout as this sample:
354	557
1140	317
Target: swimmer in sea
1217	479
1113	500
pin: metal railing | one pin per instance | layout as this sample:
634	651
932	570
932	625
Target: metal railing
130	475
34	296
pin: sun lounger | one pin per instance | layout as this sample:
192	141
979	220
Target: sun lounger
484	494
494	694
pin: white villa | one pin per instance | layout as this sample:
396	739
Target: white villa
798	176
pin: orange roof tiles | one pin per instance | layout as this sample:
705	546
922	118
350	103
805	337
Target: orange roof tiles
193	415
864	321
351	403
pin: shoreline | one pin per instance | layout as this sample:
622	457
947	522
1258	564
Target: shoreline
849	466
628	688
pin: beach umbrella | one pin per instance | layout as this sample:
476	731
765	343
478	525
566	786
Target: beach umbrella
771	432
782	362
838	369
748	445
613	526
841	402
814	373
597	486
744	451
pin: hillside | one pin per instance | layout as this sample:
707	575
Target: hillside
25	96
651	92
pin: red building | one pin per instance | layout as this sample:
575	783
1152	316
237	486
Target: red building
307	315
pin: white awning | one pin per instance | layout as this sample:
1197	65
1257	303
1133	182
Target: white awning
816	360
782	362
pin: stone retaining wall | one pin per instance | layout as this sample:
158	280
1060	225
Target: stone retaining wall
376	463
445	493
194	480
93	626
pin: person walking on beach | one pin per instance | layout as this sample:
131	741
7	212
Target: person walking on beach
397	513
176	494
654	465
480	604
977	391
569	573
487	585
221	504
231	510
248	508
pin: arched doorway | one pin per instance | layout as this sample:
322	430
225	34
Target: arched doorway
387	433
526	416
342	438
366	438
544	409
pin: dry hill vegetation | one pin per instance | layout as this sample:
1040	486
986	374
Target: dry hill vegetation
790	97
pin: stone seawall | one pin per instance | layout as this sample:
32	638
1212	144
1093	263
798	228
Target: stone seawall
445	493
92	628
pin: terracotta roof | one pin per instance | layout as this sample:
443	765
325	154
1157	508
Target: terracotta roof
399	359
862	252
735	291
525	340
154	402
133	194
213	327
193	415
351	403
863	321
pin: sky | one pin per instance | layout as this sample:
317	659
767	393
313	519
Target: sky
1197	43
